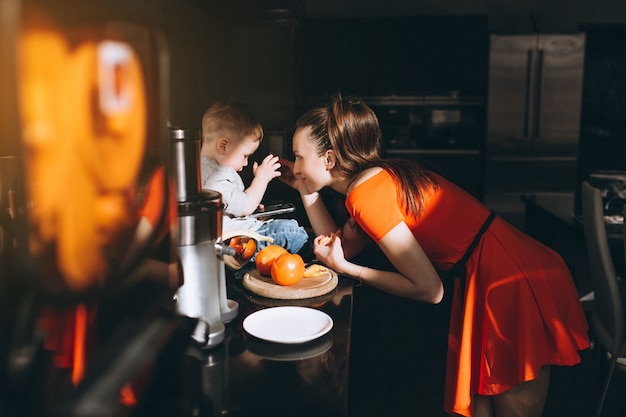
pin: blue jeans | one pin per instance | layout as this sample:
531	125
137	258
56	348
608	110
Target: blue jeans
286	233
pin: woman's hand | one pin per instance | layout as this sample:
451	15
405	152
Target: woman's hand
288	177
320	219
328	250
286	173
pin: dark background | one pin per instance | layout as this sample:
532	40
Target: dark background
402	56
281	57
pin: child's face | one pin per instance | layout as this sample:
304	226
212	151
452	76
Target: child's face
237	153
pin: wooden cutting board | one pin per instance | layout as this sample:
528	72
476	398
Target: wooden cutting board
261	285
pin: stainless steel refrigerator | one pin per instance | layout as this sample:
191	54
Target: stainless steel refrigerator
533	114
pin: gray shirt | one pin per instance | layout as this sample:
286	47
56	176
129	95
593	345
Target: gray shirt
228	182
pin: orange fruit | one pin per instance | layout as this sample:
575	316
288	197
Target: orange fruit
248	249
267	256
235	243
288	269
315	270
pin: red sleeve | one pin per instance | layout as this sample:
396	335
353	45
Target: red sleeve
374	205
154	203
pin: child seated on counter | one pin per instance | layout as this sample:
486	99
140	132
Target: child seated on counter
230	134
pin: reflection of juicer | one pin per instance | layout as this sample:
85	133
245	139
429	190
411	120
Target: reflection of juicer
203	293
82	140
83	114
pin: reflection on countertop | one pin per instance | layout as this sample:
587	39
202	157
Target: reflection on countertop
246	376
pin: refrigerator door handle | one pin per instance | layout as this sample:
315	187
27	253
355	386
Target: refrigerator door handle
537	98
527	97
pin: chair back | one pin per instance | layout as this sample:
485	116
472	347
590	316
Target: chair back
608	313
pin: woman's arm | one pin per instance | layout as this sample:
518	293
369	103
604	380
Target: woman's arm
415	278
353	239
319	216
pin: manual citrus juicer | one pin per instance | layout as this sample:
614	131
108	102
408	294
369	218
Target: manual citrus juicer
203	292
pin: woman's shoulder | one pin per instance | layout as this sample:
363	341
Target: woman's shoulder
364	176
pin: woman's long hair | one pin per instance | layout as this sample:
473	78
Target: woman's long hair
351	129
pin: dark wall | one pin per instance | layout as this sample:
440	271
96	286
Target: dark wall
270	64
226	54
192	34
429	55
603	116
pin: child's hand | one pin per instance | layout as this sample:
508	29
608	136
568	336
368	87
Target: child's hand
268	169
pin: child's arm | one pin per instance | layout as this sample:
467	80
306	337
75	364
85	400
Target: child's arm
263	174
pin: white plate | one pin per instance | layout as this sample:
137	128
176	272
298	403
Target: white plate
288	324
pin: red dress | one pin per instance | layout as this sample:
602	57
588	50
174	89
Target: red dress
521	309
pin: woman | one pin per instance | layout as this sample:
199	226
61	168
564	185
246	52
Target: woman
515	310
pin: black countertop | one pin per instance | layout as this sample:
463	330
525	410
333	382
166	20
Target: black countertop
145	363
246	376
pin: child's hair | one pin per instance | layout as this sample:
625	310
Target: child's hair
230	119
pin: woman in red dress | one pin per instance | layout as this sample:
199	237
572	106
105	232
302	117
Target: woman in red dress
515	309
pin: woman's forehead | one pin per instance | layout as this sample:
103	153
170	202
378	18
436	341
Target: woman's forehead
302	136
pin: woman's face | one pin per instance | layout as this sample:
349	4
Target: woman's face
309	167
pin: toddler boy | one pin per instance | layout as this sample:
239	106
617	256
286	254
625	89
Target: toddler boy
230	134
